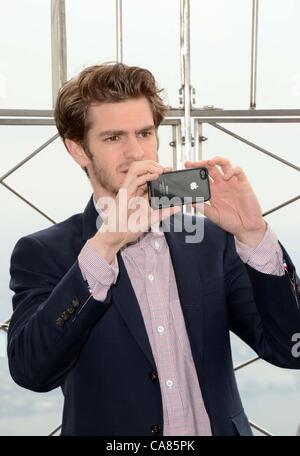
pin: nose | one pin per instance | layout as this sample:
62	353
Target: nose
134	149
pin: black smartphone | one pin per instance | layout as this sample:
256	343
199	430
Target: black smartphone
175	188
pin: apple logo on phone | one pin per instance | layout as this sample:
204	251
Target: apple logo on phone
194	185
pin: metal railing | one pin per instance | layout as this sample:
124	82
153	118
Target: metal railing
187	138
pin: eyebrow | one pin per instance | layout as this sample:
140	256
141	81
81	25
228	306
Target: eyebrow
123	132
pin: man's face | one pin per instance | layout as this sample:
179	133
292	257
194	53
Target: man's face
120	134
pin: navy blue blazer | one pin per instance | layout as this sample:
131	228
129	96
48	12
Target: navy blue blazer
99	352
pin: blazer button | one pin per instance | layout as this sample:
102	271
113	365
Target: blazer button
155	429
70	310
65	316
153	377
59	322
75	302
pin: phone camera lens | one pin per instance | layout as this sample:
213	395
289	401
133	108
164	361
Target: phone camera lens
203	174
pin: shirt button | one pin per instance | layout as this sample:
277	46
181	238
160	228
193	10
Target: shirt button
150	277
75	302
169	383
156	429
160	329
156	245
65	316
153	377
59	322
70	310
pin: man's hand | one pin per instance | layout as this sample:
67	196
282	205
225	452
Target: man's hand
120	226
233	204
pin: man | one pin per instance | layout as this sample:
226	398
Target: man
134	324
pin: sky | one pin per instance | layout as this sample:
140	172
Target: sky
220	73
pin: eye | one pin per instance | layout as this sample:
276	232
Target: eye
113	138
145	134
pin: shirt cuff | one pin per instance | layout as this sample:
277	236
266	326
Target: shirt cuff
267	257
99	275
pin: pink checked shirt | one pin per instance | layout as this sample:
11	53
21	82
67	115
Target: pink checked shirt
150	269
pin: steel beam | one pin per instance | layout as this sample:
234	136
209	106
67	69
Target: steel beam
58	46
185	65
119	30
255	4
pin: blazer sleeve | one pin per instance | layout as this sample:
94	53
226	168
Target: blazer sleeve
53	316
263	309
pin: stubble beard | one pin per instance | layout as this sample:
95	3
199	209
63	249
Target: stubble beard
102	176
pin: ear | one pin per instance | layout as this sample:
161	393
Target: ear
77	152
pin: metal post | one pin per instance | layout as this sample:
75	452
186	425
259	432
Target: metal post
255	4
177	162
198	128
119	30
58	46
174	145
185	62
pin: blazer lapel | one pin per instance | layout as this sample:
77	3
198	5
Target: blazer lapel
123	295
91	220
127	304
